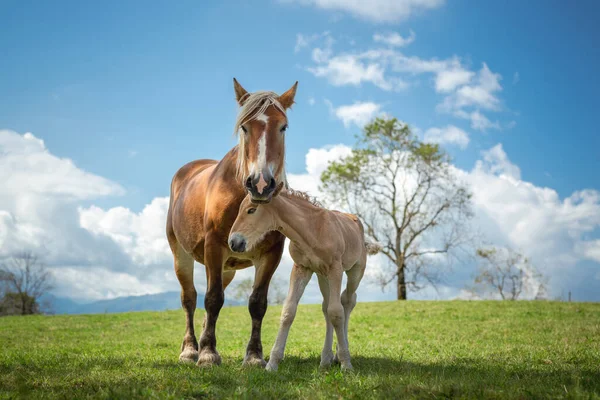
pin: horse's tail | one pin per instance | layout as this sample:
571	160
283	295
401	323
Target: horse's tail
373	247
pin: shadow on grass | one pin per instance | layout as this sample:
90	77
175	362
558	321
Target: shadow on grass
459	377
127	377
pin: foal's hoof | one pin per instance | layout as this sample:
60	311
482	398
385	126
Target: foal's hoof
271	367
188	355
347	367
254	360
209	358
326	359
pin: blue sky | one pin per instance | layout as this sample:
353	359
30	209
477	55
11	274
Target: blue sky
130	91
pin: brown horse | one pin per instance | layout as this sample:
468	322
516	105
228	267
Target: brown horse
205	199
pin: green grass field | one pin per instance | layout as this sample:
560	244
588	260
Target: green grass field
400	350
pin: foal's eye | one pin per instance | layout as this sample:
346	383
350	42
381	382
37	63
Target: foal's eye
244	129
252	211
284	128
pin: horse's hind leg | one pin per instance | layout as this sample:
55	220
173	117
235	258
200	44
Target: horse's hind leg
184	269
327	353
335	312
348	298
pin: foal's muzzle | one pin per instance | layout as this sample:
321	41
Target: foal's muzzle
237	243
261	186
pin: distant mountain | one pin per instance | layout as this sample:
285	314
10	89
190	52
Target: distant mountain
149	302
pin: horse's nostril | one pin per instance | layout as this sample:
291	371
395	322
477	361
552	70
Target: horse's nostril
249	183
272	183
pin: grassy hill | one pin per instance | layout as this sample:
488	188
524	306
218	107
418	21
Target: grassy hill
409	350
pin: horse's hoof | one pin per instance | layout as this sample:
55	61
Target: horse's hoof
254	360
347	367
189	355
324	365
326	359
271	367
209	358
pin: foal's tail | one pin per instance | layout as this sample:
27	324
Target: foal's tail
373	247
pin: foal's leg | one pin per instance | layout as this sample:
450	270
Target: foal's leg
184	269
335	311
298	281
327	353
355	275
257	304
214	254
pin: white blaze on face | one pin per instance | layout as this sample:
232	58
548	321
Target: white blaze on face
261	161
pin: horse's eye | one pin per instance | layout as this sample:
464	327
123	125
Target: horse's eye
284	128
244	129
252	211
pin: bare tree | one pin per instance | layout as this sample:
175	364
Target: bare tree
24	280
507	273
408	197
243	290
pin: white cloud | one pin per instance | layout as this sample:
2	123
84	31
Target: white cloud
496	162
28	168
39	212
447	135
380	11
480	95
303	41
478	121
449	79
311	101
466	92
141	236
516	78
38	200
359	113
349	69
394	39
591	250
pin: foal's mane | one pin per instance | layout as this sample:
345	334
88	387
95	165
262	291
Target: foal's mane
254	105
298	194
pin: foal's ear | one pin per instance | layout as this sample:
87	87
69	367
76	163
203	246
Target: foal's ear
287	99
278	189
241	94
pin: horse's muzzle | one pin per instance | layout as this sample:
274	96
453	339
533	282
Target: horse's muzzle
237	243
261	186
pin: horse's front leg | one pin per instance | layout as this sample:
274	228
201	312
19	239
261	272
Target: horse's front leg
257	304
214	253
298	281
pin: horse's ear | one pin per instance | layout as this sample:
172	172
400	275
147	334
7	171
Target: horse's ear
240	93
278	189
287	99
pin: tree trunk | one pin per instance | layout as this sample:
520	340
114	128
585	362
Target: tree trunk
401	282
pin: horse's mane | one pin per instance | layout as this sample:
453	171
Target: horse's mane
298	194
254	105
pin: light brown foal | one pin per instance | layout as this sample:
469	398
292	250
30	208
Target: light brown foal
204	202
325	242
